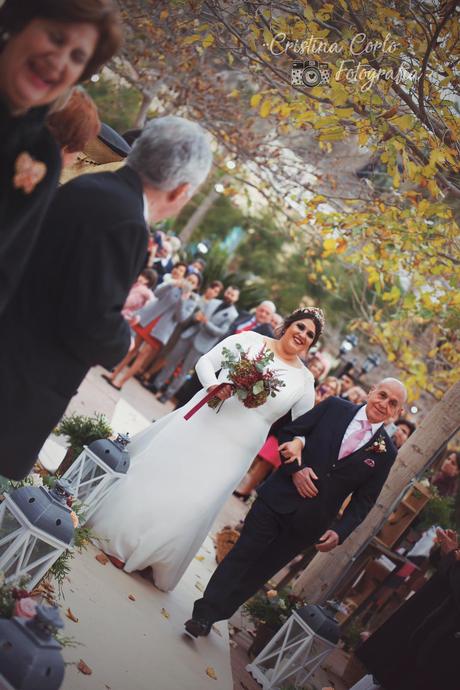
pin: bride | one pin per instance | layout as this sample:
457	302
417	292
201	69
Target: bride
182	471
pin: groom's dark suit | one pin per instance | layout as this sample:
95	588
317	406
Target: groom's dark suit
282	523
66	316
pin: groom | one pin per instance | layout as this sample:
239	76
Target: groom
335	450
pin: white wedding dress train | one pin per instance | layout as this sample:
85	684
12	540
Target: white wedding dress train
182	472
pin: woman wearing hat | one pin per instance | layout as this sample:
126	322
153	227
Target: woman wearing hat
46	47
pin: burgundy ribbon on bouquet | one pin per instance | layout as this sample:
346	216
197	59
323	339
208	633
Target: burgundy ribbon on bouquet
203	401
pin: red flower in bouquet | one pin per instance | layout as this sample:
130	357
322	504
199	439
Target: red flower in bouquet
252	381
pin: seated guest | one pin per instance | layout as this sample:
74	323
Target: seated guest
347	382
330	386
417	647
404	429
446	479
66	316
356	395
317	365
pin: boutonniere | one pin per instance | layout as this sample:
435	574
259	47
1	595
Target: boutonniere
378	446
28	172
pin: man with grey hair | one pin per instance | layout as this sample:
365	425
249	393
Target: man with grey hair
259	321
92	248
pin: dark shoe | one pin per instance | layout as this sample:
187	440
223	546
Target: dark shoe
242	497
110	382
149	386
198	627
163	398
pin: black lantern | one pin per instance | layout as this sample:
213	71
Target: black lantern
30	657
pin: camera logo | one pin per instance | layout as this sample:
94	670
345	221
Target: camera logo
310	73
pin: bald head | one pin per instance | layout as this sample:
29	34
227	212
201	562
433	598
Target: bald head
396	385
385	400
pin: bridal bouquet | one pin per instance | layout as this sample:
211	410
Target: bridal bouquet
253	384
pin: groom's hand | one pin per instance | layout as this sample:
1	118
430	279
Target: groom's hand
292	451
303	482
328	541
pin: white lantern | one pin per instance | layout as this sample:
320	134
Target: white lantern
96	470
35	529
297	649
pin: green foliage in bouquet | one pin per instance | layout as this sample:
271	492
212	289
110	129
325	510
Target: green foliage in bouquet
273	608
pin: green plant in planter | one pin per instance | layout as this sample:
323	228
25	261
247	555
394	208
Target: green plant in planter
272	608
351	635
81	431
438	511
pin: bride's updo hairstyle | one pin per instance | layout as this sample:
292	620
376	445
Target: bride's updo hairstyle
315	314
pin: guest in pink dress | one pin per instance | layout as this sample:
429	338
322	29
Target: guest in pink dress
140	293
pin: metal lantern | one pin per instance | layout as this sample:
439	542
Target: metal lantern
98	467
30	658
373	360
297	649
35	529
348	343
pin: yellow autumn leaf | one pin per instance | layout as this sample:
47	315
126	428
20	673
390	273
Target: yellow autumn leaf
211	673
163	15
191	39
255	100
404	122
208	41
165	613
265	108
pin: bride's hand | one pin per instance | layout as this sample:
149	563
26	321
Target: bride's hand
223	393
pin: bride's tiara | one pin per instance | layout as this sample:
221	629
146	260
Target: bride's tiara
314	312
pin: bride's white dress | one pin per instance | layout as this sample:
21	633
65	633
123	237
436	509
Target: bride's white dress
182	472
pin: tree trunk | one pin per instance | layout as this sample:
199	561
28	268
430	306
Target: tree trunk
143	110
324	573
199	213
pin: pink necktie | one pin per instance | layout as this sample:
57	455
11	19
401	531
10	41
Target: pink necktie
355	439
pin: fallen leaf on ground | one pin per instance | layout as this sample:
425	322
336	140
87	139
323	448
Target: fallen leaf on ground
199	586
102	558
216	629
164	613
132	597
84	668
232	643
211	673
71	615
199	558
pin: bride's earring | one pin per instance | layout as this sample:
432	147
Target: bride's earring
4	38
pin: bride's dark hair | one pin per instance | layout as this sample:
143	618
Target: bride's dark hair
315	314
